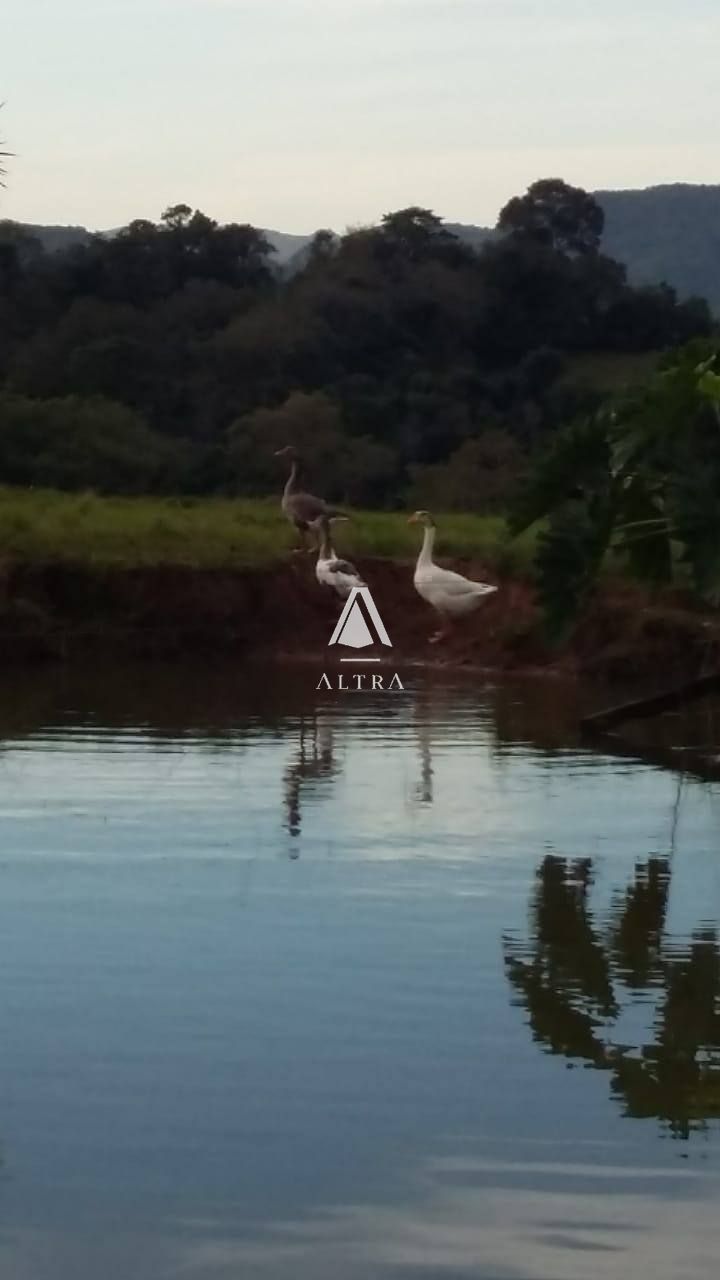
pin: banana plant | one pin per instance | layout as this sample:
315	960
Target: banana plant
638	480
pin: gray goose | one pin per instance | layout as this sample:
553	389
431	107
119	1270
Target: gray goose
302	509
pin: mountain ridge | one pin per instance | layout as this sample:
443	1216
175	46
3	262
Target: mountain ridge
668	233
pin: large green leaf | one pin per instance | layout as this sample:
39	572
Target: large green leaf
642	530
645	478
570	553
696	505
709	386
577	461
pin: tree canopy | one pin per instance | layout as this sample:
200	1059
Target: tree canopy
411	358
553	213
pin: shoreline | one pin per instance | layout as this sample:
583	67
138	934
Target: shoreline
67	611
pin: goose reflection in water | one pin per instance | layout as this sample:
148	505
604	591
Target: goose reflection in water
424	789
429	713
576	976
312	763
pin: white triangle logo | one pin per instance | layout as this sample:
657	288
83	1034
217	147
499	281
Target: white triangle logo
352	628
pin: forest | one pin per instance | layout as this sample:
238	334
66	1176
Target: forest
407	366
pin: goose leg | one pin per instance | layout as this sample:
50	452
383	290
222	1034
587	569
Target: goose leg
311	539
443	633
302	539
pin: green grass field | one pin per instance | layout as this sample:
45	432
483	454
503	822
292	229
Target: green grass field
39	526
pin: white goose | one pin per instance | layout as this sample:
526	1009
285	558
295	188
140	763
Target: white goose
331	571
452	595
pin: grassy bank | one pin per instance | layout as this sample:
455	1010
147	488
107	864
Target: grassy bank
45	527
82	577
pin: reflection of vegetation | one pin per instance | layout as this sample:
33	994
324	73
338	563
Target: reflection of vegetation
573	978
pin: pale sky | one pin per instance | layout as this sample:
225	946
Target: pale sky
294	114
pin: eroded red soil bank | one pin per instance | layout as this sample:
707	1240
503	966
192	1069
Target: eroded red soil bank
66	612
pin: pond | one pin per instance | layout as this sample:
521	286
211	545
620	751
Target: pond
303	985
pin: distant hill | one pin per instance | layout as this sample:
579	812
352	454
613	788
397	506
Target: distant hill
286	246
476	237
54	239
667	233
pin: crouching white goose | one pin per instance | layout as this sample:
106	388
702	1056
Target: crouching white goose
449	593
330	571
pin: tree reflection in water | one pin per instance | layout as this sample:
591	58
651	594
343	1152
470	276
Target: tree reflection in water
576	977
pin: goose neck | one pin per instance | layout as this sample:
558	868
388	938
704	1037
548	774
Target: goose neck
326	551
426	550
291	482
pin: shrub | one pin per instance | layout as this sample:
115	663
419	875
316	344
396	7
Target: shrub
76	443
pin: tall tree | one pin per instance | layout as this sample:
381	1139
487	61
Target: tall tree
419	234
553	213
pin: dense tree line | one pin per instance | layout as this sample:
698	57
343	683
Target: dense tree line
176	356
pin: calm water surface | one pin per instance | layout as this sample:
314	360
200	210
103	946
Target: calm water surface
306	986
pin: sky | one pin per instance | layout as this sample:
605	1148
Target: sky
296	114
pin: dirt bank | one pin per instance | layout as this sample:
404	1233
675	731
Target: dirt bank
60	611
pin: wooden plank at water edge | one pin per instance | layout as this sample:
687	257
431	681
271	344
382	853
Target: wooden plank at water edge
644	708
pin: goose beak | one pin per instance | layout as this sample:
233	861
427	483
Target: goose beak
412	519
